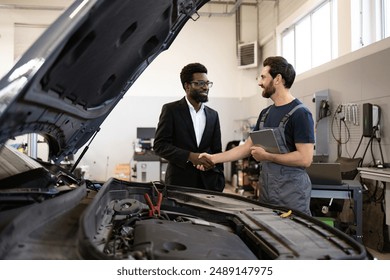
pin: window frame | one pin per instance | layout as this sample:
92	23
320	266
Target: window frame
308	16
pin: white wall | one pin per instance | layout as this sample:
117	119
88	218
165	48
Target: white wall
359	77
355	77
209	40
10	19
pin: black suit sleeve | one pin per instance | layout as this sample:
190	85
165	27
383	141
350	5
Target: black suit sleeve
217	144
167	143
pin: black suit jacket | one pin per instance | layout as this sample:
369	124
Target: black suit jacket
175	139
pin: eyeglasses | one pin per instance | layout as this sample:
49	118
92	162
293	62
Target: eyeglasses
202	84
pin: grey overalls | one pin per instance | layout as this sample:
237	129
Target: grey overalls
280	184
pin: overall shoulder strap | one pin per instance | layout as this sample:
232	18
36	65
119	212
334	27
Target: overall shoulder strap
288	115
262	120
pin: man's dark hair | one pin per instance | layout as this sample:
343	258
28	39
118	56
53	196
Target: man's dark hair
189	70
279	65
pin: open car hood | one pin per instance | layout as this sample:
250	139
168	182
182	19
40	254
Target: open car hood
119	223
67	83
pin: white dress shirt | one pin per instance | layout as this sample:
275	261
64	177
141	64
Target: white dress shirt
198	120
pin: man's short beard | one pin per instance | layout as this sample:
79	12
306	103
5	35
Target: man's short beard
269	91
198	97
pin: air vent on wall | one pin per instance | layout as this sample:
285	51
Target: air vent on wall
247	55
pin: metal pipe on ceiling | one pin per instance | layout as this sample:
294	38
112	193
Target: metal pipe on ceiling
235	7
31	7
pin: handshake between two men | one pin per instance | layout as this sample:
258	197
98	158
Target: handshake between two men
205	161
202	161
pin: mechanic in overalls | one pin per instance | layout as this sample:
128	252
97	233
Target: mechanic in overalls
284	180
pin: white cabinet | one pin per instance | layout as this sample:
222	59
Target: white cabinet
148	171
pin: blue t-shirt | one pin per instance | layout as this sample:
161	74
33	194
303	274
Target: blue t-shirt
299	127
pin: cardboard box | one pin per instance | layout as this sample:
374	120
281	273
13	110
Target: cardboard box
122	171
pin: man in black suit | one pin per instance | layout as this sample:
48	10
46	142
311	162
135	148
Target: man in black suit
187	128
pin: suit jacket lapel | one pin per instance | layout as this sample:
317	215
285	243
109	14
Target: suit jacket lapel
186	117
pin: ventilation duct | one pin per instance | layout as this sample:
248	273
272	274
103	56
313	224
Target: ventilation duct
247	55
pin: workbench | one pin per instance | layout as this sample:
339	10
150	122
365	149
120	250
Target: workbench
349	189
381	175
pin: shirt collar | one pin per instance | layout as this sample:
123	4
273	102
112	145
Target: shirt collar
192	107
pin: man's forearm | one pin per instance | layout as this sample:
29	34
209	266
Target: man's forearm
234	154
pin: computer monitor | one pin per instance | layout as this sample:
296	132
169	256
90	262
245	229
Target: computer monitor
146	133
145	136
